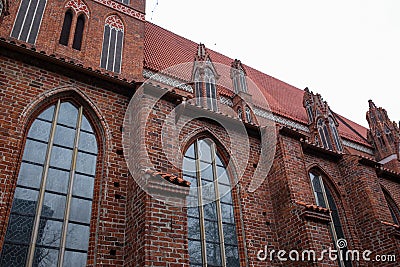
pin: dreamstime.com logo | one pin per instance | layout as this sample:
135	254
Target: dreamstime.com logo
169	125
342	253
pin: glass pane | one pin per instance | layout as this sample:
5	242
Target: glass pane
74	259
25	201
47	114
189	166
49	233
194	228
19	229
227	213
40	130
85	125
86	163
68	114
53	206
80	210
87	142
45	257
204	150
64	136
316	183
30	175
218	161
61	158
195	252
212	233
57	181
225	193
222	176
206	171
34	151
111	51
208	191
13	255
230	234
83	186
190	152
213	254
210	211
232	256
77	236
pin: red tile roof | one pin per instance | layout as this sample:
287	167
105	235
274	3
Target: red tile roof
164	49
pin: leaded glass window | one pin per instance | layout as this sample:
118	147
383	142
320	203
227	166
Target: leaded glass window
211	91
324	198
239	81
211	223
51	211
248	114
111	57
28	20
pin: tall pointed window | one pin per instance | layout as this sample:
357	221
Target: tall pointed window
324	198
78	36
335	134
211	91
66	28
113	39
239	81
248	114
309	111
51	211
198	87
324	134
28	20
211	223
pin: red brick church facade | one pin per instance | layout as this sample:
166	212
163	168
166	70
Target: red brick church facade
83	182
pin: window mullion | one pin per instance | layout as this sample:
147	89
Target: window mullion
33	19
36	224
218	205
200	203
69	192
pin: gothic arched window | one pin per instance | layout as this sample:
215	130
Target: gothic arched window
335	134
248	114
198	87
324	198
240	113
80	26
211	91
211	222
66	28
309	111
111	56
50	215
27	22
324	134
239	81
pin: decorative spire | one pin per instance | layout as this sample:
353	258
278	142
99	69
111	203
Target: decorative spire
383	134
201	52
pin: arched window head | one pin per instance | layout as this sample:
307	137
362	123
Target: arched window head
248	114
335	134
50	216
113	39
324	134
240	113
80	26
323	198
211	221
28	20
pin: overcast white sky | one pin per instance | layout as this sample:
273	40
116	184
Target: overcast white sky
346	50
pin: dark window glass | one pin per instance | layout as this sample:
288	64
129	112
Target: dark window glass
27	22
80	26
41	197
66	28
111	57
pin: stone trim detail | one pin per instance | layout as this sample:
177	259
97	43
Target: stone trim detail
269	115
225	101
115	22
122	8
78	6
167	80
357	146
